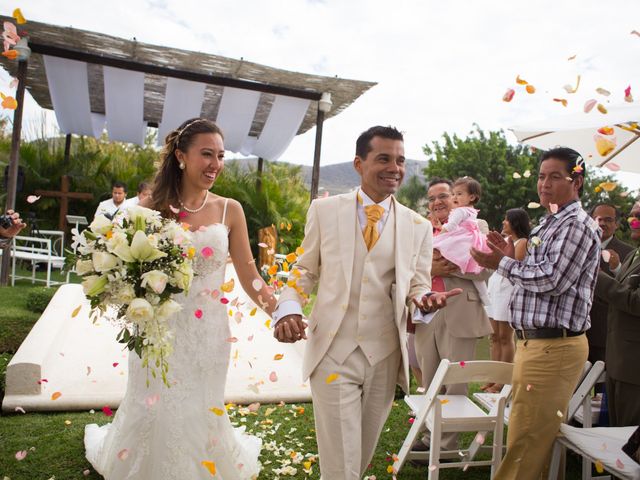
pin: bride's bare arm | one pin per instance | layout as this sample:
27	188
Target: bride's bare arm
243	260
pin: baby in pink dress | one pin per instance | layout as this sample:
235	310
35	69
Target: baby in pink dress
461	231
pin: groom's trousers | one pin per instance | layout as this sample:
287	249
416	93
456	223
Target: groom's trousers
351	410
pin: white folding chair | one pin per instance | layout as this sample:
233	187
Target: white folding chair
457	413
601	445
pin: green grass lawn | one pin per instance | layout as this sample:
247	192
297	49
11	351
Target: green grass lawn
54	441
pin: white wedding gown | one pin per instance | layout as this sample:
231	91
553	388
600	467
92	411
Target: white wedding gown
162	433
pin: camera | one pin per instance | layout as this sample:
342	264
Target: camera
5	221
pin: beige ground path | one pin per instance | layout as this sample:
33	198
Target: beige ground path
83	362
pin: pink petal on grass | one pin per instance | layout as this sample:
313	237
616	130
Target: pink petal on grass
107	411
21	455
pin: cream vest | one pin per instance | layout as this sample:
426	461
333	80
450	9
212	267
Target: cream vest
369	320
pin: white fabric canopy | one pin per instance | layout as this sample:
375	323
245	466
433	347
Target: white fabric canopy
281	126
124	99
182	101
124	105
235	115
69	89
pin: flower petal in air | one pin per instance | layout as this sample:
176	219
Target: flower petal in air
570	89
17	14
10	54
614	167
603	91
218	411
273	377
55	395
516	175
533	205
530	89
228	286
33	198
553	207
606	255
521	81
508	95
210	466
602	109
563	101
9	102
604	145
278	356
75	312
627	94
589	104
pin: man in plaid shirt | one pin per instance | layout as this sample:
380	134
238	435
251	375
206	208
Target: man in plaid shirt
550	306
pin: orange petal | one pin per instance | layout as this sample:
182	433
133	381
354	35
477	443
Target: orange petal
521	81
604	145
299	251
530	89
278	356
10	54
55	395
563	101
602	109
606	130
210	466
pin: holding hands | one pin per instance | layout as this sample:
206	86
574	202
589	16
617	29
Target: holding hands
290	329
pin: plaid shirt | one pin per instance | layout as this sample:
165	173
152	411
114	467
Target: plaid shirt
554	283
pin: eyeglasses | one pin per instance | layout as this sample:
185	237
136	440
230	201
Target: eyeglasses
606	219
442	197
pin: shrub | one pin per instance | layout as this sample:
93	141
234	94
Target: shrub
39	298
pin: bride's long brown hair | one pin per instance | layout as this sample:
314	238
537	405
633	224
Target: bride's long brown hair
166	185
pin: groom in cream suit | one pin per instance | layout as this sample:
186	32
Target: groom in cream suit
370	258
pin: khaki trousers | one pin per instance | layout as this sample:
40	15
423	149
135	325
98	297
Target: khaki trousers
351	411
433	343
545	375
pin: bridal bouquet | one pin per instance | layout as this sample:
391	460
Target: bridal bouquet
131	268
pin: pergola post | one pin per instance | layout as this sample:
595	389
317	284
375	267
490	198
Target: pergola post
14	158
315	171
259	173
67	149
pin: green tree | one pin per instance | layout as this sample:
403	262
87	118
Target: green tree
490	159
412	194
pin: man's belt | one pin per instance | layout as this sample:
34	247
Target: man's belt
546	333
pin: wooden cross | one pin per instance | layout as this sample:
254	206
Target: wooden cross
64	195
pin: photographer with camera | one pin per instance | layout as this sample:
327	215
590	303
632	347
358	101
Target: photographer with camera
10	226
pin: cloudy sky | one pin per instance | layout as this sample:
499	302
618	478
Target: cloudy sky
440	66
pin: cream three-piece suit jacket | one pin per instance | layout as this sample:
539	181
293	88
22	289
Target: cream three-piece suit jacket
327	262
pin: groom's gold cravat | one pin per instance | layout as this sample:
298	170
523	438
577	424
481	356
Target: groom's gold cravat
374	214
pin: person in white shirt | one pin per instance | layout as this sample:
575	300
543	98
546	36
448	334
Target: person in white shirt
109	207
144	191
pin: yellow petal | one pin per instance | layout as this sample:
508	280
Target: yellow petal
218	411
292	257
17	14
268	323
75	312
253	311
331	378
278	356
273	269
228	286
299	251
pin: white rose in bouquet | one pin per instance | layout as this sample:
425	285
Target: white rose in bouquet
124	293
100	225
139	311
103	261
156	280
83	267
183	276
167	308
94	285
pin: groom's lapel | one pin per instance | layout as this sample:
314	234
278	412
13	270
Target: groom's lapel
404	251
630	265
347	220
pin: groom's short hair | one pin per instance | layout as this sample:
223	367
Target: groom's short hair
363	144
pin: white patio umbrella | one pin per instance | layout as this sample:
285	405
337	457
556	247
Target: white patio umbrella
584	133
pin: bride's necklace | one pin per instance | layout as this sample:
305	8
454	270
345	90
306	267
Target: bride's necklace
196	210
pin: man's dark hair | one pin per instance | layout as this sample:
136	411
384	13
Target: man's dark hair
437	180
572	159
118	184
363	144
606	204
520	222
142	186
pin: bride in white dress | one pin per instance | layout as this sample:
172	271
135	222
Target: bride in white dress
183	432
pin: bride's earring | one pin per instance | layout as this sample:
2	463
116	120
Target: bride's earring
181	166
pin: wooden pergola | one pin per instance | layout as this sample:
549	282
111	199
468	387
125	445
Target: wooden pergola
327	96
